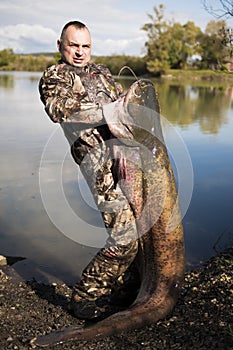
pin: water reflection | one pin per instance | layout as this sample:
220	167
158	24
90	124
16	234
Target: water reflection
7	81
185	105
203	116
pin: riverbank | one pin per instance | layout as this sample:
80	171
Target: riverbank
201	319
204	76
180	75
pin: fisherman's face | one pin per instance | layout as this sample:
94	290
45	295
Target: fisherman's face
75	47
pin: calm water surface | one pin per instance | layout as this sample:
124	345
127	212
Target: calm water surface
39	180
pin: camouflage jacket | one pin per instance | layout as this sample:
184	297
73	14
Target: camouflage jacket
77	94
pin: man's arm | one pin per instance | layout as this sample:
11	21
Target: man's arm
64	98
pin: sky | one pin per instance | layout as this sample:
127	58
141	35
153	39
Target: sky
29	26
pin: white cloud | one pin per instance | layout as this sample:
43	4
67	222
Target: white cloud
26	38
34	26
132	46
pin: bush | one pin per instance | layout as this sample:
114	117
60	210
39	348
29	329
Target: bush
116	62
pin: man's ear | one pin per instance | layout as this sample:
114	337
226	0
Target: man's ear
59	45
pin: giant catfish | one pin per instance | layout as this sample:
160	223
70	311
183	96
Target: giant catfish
151	189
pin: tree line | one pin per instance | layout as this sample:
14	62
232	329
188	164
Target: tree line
173	45
170	45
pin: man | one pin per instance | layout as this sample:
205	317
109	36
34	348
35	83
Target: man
74	92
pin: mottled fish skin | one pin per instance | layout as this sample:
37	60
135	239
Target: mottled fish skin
161	256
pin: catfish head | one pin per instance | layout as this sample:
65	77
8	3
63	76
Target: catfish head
134	119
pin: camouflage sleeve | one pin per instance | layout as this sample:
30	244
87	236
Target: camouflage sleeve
63	95
108	75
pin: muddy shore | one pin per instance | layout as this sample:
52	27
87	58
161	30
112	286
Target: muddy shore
201	320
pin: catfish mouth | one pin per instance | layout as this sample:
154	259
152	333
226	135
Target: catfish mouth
137	92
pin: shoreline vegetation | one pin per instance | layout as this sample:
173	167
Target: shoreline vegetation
138	65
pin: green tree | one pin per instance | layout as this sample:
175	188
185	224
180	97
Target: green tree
213	48
157	45
116	62
169	44
224	10
7	57
182	43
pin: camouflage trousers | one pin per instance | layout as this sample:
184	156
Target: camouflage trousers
93	153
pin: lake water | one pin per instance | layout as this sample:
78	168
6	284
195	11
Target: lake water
46	211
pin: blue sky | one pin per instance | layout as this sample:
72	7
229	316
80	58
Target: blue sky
34	25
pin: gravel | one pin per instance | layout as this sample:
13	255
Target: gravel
202	318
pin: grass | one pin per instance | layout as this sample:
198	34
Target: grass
209	75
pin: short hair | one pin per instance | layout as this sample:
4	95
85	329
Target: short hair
76	24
